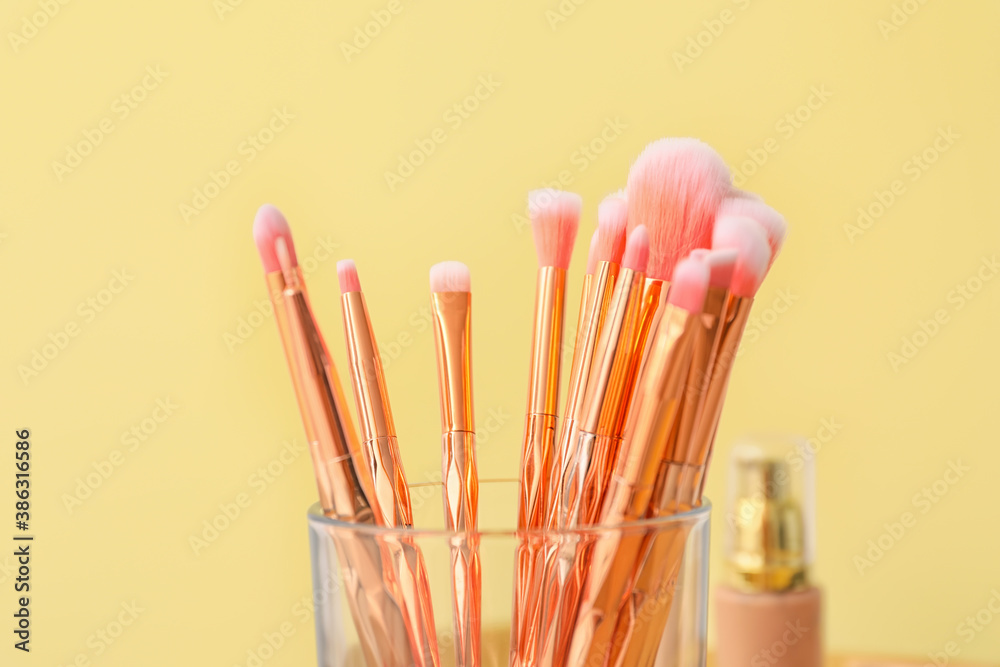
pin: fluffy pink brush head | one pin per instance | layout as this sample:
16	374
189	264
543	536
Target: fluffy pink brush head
688	284
347	276
747	238
592	254
751	206
555	218
269	225
636	255
674	189
612	218
450	277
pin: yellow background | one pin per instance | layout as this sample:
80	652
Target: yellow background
560	83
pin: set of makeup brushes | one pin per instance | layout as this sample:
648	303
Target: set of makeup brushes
673	267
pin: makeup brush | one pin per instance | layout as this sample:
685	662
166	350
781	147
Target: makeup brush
381	450
607	249
606	256
600	428
451	304
596	444
333	442
754	257
379	443
674	188
555	217
612	558
748	205
688	462
342	478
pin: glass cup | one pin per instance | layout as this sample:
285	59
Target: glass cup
637	590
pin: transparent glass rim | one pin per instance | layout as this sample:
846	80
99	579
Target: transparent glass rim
691	517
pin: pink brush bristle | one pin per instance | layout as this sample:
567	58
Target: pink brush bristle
636	255
720	266
688	284
592	254
347	276
748	239
612	218
751	206
674	189
555	218
450	277
269	225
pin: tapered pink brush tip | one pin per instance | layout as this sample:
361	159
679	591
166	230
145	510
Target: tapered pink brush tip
269	225
555	219
689	284
347	276
637	250
450	277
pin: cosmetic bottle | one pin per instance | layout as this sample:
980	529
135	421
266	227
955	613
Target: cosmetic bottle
768	613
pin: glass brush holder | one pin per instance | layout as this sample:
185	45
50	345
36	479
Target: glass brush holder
631	594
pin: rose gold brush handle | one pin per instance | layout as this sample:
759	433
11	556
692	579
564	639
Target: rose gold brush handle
343	482
684	441
461	503
344	488
612	564
391	497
